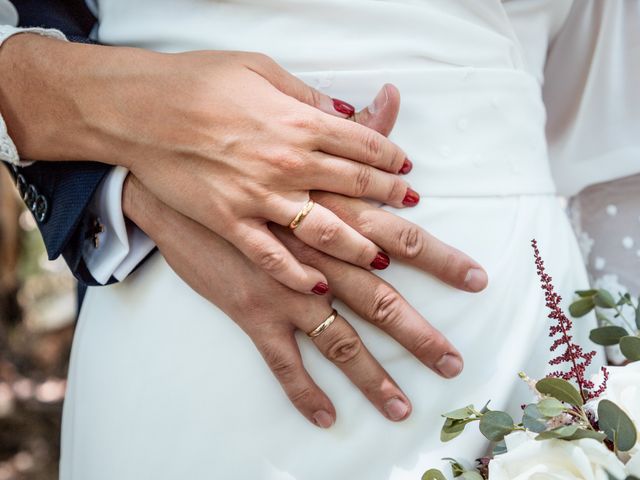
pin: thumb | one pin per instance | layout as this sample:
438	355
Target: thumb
381	115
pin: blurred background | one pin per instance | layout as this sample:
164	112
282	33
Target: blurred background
37	317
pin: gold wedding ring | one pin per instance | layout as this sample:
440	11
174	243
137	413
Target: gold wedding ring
324	325
301	214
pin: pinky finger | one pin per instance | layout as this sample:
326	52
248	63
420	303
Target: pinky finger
263	248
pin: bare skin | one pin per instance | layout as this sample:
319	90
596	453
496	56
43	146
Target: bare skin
224	148
256	305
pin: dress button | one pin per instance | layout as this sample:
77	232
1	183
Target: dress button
21	183
30	197
42	208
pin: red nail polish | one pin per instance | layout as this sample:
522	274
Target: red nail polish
407	166
343	107
411	199
381	261
320	289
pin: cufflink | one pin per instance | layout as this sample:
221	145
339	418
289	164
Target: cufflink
30	197
94	231
21	184
41	208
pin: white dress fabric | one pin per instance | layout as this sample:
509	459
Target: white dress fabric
164	385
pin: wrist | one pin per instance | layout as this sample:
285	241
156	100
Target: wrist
50	96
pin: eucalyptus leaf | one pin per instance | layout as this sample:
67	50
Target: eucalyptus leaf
565	431
532	419
499	448
561	390
617	425
485	409
460	413
495	425
630	347
638	317
604	299
452	428
471	475
581	307
433	474
551	407
584	433
609	335
586	293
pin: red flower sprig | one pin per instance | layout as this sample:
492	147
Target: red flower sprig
573	354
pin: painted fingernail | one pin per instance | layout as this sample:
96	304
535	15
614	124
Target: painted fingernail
343	107
476	279
322	419
379	102
396	409
381	261
411	198
321	288
449	365
407	166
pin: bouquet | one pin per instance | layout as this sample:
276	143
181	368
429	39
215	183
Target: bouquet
576	428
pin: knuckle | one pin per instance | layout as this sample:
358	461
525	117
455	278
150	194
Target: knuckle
427	345
344	349
397	190
329	234
286	160
373	145
314	97
283	367
301	396
272	262
261	59
411	241
363	180
386	307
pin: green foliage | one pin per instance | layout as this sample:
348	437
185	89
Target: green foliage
460	413
433	474
617	425
495	425
609	335
581	307
551	407
561	390
604	299
566	431
630	347
533	419
452	428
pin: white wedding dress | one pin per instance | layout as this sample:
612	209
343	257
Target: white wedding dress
163	385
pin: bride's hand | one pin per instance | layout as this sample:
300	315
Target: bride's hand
229	139
271	313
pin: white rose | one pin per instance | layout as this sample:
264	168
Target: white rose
529	459
633	466
623	389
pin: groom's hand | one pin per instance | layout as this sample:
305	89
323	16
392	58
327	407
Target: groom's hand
257	305
271	313
229	139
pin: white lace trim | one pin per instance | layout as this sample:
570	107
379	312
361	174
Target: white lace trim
8	151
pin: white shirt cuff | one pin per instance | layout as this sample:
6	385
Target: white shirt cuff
8	151
118	245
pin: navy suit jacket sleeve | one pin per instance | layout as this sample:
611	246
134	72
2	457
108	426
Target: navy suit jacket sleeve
66	188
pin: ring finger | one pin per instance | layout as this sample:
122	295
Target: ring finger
322	229
341	344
